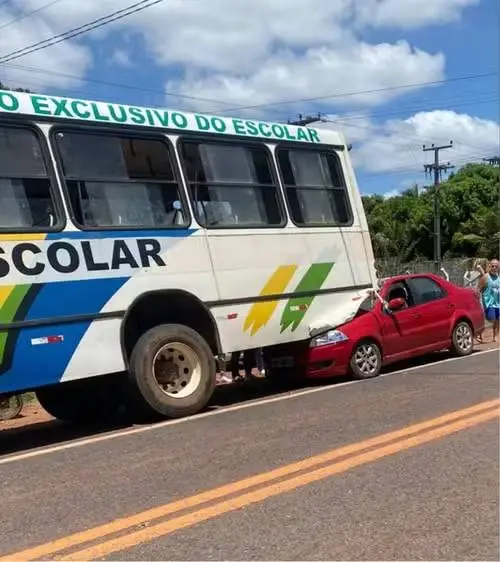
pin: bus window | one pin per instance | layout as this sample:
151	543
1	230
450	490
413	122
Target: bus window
26	201
315	187
231	185
117	181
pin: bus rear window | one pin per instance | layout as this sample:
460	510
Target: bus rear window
120	182
231	185
26	202
315	187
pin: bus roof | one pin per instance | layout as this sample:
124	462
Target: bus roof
55	108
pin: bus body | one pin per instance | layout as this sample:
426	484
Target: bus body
141	243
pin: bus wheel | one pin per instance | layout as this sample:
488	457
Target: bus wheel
172	372
88	401
10	406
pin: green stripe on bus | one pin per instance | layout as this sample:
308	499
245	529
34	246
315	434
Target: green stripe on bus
8	313
296	307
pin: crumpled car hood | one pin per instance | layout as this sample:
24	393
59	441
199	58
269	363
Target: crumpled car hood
339	314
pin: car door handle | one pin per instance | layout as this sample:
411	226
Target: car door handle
450	305
416	316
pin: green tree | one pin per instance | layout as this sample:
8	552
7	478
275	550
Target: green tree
402	226
5	87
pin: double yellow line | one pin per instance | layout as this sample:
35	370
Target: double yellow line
152	524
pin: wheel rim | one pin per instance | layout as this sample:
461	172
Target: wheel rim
177	370
367	359
463	337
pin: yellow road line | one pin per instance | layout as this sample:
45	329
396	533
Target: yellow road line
148	516
161	529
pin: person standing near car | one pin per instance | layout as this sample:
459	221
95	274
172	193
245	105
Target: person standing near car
489	285
473	274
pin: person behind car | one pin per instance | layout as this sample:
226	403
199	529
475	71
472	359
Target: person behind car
480	267
489	285
473	274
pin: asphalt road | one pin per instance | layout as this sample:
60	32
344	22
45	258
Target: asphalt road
428	492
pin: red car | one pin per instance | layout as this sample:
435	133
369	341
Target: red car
421	314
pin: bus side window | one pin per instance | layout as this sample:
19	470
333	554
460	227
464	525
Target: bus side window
315	187
26	201
115	181
231	185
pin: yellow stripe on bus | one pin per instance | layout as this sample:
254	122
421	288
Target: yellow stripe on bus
5	291
260	313
21	237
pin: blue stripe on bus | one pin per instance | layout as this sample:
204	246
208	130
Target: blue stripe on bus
37	365
44	364
97	234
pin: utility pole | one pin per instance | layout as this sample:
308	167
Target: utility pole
437	169
495	161
307	120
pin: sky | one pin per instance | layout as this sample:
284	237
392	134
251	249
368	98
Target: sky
392	75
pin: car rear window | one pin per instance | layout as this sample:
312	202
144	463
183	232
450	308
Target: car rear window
425	290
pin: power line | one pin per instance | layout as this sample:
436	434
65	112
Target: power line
364	92
465	159
85	28
338	121
28	14
416	139
308	120
211	100
494	161
144	4
455	102
108	83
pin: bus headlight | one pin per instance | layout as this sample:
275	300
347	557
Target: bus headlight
328	338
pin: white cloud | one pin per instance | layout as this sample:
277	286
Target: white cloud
409	13
254	52
391	193
355	127
321	73
244	52
65	58
397	144
219	35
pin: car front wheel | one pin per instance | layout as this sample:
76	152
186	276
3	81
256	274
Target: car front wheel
366	360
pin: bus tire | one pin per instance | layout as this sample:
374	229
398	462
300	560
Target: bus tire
172	372
11	406
88	401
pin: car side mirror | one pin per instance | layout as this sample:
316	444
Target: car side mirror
396	304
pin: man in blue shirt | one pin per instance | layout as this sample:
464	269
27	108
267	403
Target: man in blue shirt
489	285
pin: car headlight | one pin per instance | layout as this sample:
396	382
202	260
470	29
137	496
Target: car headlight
328	338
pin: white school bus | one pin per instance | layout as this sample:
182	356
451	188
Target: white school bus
138	244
